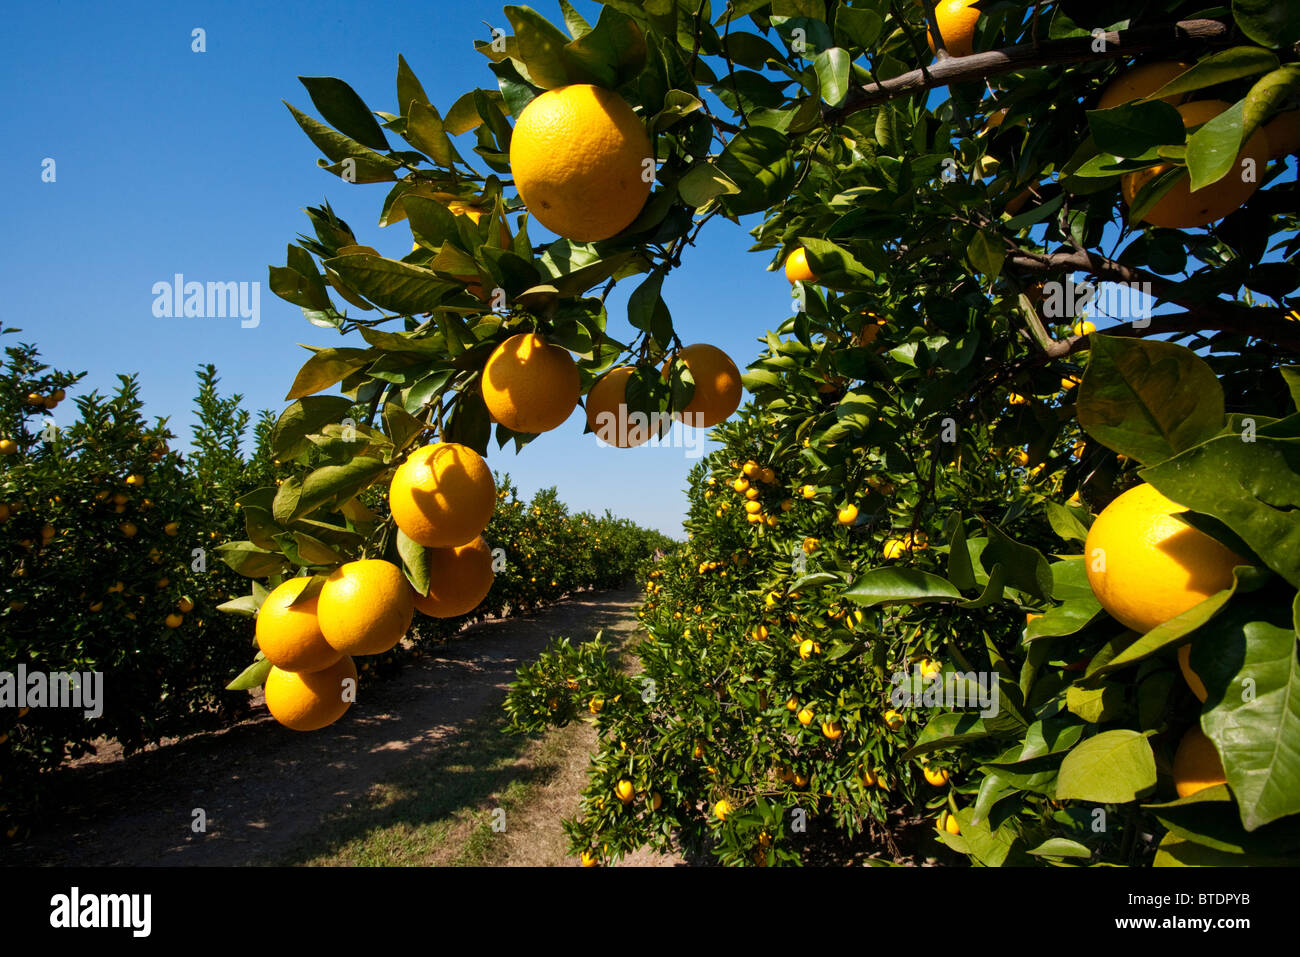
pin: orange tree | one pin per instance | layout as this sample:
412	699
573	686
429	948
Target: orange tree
912	492
105	553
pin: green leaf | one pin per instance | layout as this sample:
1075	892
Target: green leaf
758	161
338	147
1269	96
1068	618
703	183
1026	568
1060	847
1268	22
573	20
344	110
960	570
540	45
613	53
1212	150
1111	768
1216	68
1176	852
254	676
315	552
1095	705
1132	130
327	485
1066	522
415	562
859	28
1210	817
325	368
425	132
396	286
986	254
249	560
409	89
1254	717
893	586
948	730
832	69
301	419
243	605
1148	399
835	266
400	425
1251	487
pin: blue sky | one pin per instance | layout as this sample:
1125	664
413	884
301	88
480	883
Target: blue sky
171	161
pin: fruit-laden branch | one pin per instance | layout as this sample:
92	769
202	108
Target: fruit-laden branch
1121	43
1262	322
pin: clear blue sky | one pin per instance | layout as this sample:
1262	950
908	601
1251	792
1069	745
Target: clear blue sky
170	161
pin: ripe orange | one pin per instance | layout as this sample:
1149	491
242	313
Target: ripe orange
459	579
290	636
832	729
582	162
1139	82
443	495
1196	764
310	701
722	809
365	607
1191	677
1180	208
128	529
172	529
624	791
174	620
717	386
608	415
893	720
185	605
956	20
8	446
35	398
796	267
847	515
530	385
950	823
806	716
936	776
1283	132
1147	566
589	859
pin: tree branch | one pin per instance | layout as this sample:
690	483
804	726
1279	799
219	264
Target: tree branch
1115	44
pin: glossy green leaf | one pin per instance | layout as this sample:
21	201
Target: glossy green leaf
344	110
1113	767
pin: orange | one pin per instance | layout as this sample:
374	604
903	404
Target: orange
624	791
847	515
529	385
172	529
893	720
582	162
797	268
1191	677
607	411
935	776
310	701
806	716
1147	566
722	809
717	386
459	578
832	729
1140	82
8	446
290	636
1196	764
174	620
1180	208
950	823
365	607
589	859
956	19
185	605
443	495
1283	132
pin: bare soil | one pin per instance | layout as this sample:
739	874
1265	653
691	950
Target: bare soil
265	790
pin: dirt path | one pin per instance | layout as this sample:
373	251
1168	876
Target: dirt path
265	791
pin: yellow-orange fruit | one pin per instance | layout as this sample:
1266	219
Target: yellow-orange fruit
309	701
1140	82
443	495
608	415
956	19
582	162
459	579
365	607
1180	208
1197	765
530	385
289	635
797	268
717	385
